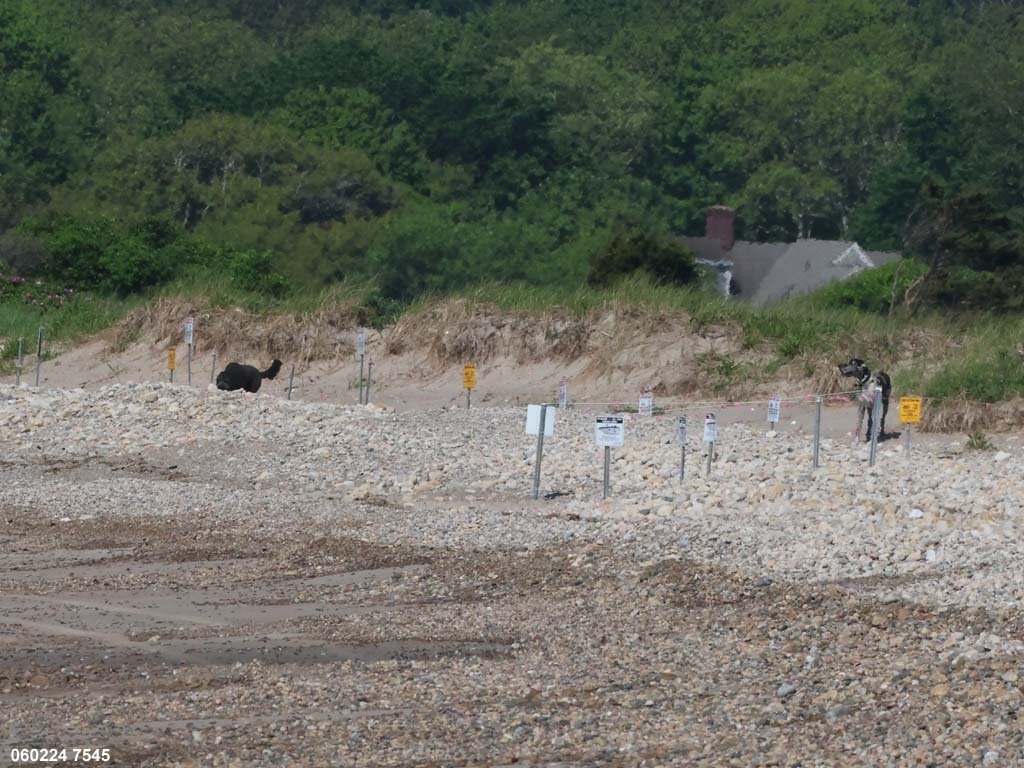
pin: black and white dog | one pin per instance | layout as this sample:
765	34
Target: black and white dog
866	382
247	377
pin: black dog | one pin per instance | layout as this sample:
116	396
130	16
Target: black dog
238	376
866	381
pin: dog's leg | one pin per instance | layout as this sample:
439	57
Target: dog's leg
885	410
860	421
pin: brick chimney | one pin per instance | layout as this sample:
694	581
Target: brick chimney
720	225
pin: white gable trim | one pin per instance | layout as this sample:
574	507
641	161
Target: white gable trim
854	256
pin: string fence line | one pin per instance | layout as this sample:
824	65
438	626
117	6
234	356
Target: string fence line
665	405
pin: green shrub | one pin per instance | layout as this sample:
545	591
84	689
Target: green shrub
665	261
978	441
872	289
131	266
254	271
77	249
22	253
102	254
792	344
965	288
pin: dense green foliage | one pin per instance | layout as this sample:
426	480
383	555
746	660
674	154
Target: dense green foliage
877	291
664	261
431	144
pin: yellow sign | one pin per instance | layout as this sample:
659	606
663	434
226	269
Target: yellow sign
469	376
171	353
910	410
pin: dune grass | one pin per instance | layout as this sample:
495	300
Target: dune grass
989	366
75	321
217	290
795	327
941	356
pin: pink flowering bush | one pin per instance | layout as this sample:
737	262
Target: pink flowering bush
38	294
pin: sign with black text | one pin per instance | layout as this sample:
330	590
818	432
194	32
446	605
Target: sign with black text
610	431
710	429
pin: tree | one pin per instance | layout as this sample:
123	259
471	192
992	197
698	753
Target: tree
354	117
44	121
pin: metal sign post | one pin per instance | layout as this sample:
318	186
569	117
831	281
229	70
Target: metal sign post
291	379
682	448
910	414
189	340
361	351
876	413
609	432
774	406
540	421
710	437
17	365
563	394
213	368
540	449
172	353
469	382
361	379
39	353
607	472
817	430
369	378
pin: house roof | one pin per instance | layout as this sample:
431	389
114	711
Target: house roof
767	272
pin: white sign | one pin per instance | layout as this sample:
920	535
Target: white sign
646	403
533	420
361	342
563	395
610	431
710	429
682	429
190	325
773	411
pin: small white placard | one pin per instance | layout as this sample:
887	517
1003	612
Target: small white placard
563	395
533	420
773	411
682	429
361	342
610	431
190	325
710	429
646	403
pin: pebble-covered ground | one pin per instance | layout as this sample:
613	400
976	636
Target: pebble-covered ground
199	578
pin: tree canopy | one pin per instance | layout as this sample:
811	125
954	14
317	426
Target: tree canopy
433	143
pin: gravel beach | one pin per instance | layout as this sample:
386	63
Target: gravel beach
197	578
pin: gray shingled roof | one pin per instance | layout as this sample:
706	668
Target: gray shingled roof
767	272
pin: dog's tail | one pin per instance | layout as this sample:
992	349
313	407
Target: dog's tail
272	371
